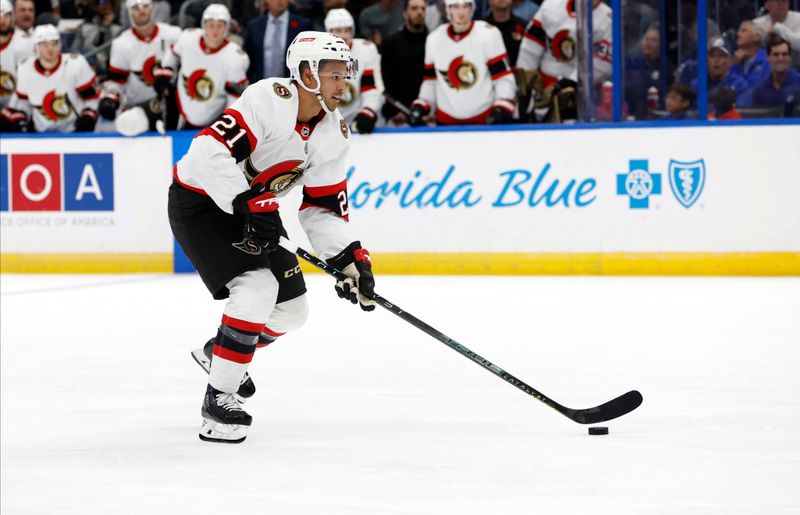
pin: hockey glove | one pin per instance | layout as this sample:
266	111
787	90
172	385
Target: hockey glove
359	287
86	121
162	82
12	120
365	120
262	222
499	116
108	107
419	110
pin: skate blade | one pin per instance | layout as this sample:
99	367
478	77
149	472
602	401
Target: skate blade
213	431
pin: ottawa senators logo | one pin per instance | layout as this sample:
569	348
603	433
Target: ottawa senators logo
198	85
8	84
248	247
349	96
343	128
281	90
147	75
460	74
278	178
56	108
563	47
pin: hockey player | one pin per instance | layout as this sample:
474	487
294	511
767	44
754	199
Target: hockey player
135	56
549	49
58	92
224	212
15	46
212	71
468	77
364	96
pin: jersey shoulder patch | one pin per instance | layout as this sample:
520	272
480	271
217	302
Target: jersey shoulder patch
343	128
281	90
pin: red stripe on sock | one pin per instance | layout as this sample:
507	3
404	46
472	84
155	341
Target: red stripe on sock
232	355
269	332
242	325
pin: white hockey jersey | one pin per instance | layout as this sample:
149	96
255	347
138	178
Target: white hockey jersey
207	80
258	140
55	98
467	74
134	60
366	90
18	48
550	44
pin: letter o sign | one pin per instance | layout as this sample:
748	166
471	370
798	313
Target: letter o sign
25	188
36	182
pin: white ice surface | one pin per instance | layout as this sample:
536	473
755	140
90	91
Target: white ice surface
363	414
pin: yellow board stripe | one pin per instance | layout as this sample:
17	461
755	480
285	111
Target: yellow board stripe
85	263
616	263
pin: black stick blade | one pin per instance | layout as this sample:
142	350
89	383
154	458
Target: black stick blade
612	409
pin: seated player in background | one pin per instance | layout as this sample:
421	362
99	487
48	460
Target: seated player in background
56	92
467	77
223	211
15	46
782	87
363	98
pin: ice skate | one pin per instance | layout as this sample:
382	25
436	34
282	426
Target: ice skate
224	420
203	358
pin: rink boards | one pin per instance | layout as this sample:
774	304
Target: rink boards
679	199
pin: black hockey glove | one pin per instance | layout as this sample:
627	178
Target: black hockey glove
12	120
108	107
365	120
162	82
418	112
359	287
86	121
262	222
500	116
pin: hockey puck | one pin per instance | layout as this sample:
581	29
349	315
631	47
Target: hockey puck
598	430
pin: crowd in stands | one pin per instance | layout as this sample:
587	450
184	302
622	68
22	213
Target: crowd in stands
135	65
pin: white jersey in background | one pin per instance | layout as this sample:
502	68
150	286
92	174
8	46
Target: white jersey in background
207	80
258	140
55	98
366	90
18	48
134	60
466	75
550	44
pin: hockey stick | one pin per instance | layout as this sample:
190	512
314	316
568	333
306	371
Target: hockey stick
610	410
396	104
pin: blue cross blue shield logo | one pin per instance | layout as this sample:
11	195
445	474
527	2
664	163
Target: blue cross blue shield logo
687	180
639	184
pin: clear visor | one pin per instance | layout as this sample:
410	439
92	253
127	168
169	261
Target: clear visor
351	71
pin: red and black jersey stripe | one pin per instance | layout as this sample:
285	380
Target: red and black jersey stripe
499	66
118	75
231	130
367	80
535	32
428	73
89	90
333	198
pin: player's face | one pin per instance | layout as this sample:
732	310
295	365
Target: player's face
332	83
49	51
346	34
460	15
141	14
215	32
780	58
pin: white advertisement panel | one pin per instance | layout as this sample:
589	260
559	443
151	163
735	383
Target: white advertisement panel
85	195
675	189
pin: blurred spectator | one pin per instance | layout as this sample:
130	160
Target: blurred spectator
57	92
723	104
162	12
525	9
363	98
403	60
94	33
680	98
782	87
783	22
24	15
467	76
381	19
510	26
435	15
135	57
719	74
750	59
643	72
687	33
15	47
266	39
47	11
